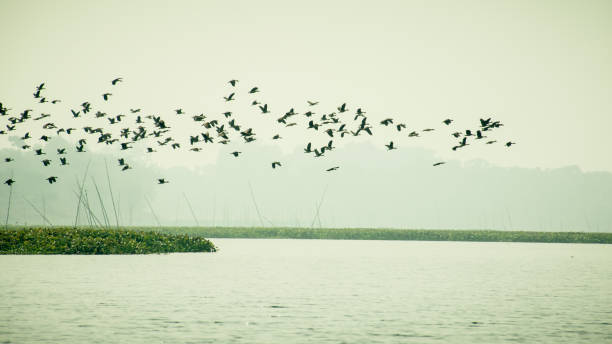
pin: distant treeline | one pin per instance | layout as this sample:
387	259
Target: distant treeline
392	234
61	240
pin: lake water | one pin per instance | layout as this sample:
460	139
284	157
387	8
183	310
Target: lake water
314	291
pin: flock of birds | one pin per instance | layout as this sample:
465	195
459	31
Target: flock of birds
137	129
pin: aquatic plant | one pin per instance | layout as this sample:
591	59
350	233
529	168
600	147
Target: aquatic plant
391	234
83	240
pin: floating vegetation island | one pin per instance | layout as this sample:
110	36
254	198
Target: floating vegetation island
64	240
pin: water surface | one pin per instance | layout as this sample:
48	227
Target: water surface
314	291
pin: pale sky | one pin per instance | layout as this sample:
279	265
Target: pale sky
541	67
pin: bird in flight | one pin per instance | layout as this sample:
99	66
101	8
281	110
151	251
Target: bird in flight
52	179
115	81
254	90
236	153
510	143
439	163
447	121
332	168
390	146
162	181
233	82
230	97
276	163
312	103
9	182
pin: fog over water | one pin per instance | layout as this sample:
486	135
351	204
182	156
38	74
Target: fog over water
372	188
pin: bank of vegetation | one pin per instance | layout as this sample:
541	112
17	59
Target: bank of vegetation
64	240
391	234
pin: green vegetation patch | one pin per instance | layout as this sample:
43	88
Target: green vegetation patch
58	240
392	234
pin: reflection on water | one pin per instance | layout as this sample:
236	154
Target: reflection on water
314	291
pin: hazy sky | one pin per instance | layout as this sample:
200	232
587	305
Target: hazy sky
541	67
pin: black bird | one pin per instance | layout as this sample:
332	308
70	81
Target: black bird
439	163
55	101
342	108
485	122
254	90
179	111
26	136
106	95
8	159
509	143
63	161
61	151
227	114
162	181
229	98
428	129
9	182
400	126
134	110
276	163
126	167
121	162
207	138
332	169
52	179
276	137
86	107
255	102
390	146
456	134
235	153
447	121
468	132
479	135
75	114
39	152
42	115
491	142
45	138
308	148
115	81
264	109
387	121
312	103
233	82
46	162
